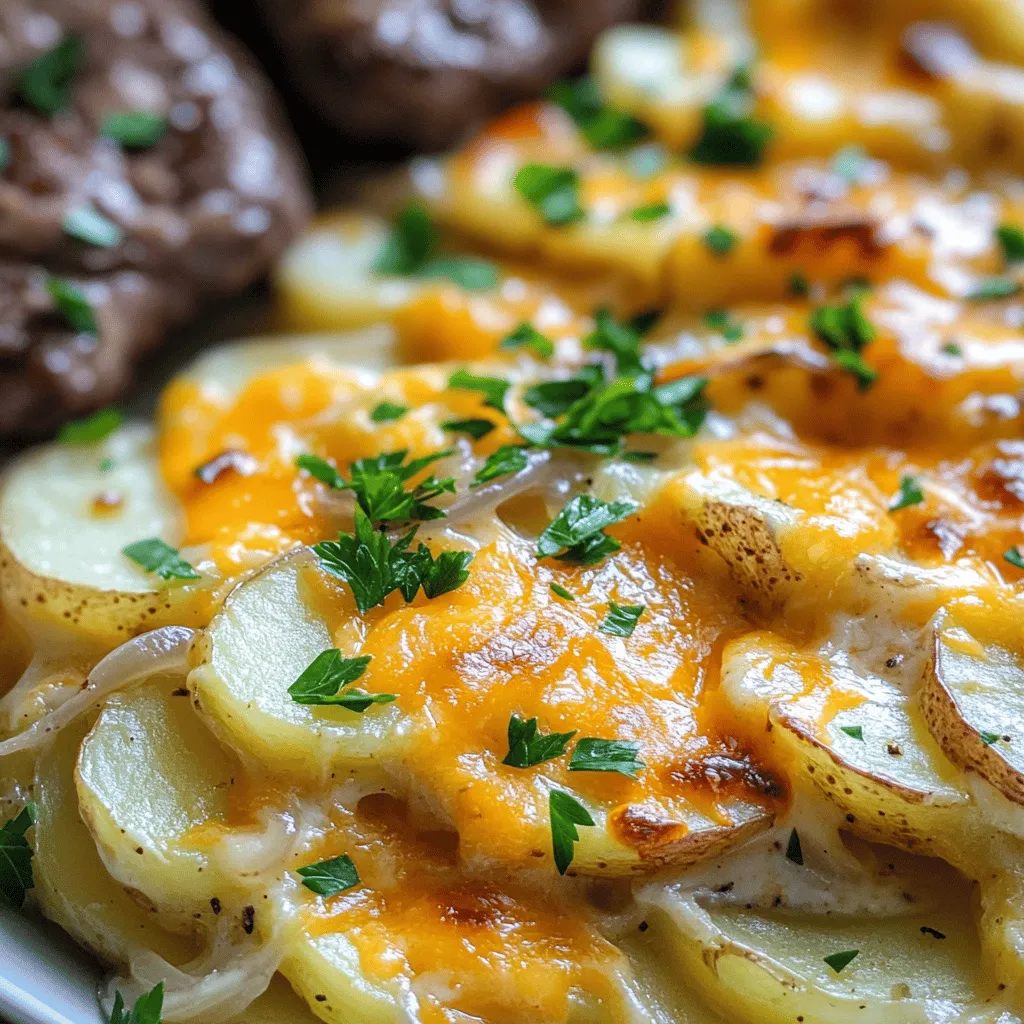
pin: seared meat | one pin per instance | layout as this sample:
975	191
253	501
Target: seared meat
422	72
142	158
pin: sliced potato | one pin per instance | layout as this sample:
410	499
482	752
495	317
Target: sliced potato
973	702
246	699
886	773
72	886
155	790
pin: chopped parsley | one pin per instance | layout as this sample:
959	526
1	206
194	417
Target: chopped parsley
92	429
650	212
157	557
384	412
527	336
476	428
324	680
988	738
853	731
1014	557
374	567
720	240
90	226
528	747
72	305
602	126
1011	241
554	398
847	331
731	136
720	321
910	494
597	755
851	163
837	961
330	877
579	529
16	857
552	191
148	1008
134	129
411	249
45	83
378	484
621	620
794	851
509	458
951	348
493	388
566	814
994	288
622	340
559	591
798	285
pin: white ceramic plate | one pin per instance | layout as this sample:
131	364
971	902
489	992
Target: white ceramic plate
44	977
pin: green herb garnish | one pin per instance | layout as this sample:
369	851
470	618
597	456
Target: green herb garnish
73	305
719	320
527	336
384	412
988	738
994	288
847	331
134	129
621	620
16	857
159	558
851	163
91	227
1011	241
509	458
1014	557
951	348
330	877
837	961
566	813
101	424
559	591
603	127
579	529
854	731
324	680
476	428
148	1008
552	191
597	755
528	747
493	388
910	494
720	240
469	272
45	83
650	212
731	135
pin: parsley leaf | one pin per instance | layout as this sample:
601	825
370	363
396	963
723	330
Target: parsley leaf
16	857
1011	241
90	226
552	191
720	240
731	135
566	813
527	336
330	877
374	567
99	425
493	388
45	83
988	738
854	731
798	285
910	494
719	320
951	348
476	428
602	126
321	470
837	961
994	288
650	212
621	620
528	747
384	412
412	240
622	340
134	129
846	330
596	755
794	851
560	591
509	458
155	556
579	528
322	681
148	1007
73	305
469	272
1014	557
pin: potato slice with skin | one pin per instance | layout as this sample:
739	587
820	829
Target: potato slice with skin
973	702
72	885
246	699
153	788
66	516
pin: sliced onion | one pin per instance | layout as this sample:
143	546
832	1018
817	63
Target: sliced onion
214	987
160	651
